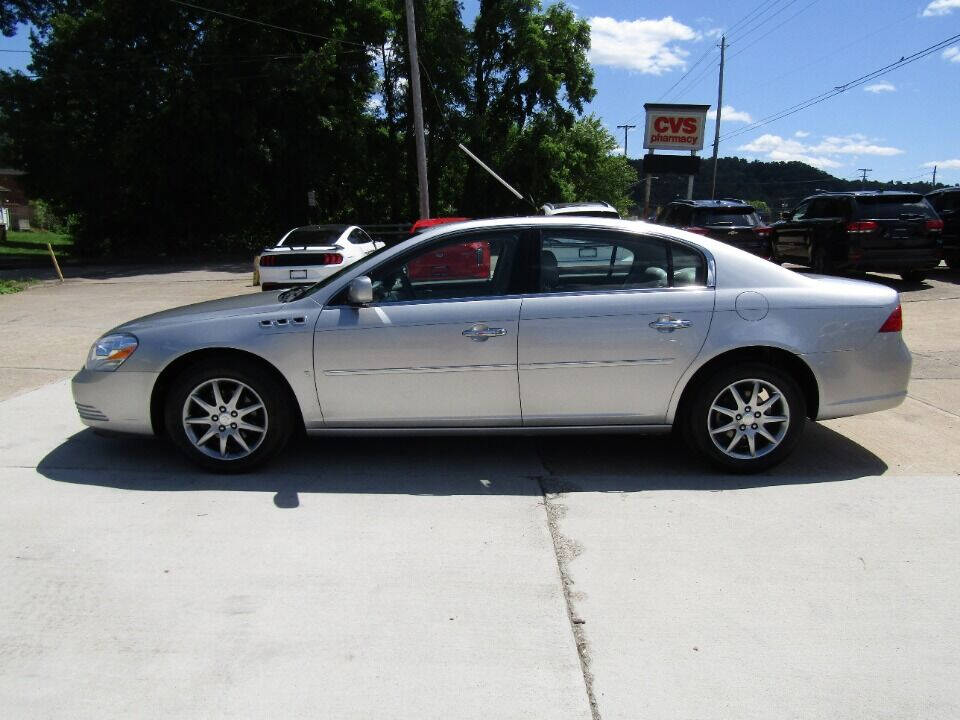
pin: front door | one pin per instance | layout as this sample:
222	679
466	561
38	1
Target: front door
618	319
437	347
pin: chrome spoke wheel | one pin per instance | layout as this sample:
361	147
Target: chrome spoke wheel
748	419
225	419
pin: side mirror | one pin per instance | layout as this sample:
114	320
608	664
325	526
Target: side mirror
360	291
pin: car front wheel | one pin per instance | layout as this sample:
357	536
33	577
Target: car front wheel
227	417
746	418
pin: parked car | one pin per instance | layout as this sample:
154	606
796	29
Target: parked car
734	222
947	204
312	252
583	209
426	223
884	231
719	350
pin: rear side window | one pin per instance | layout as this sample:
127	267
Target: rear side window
892	207
733	216
576	260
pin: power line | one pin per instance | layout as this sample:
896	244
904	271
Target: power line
775	28
692	68
756	26
838	89
265	24
761	7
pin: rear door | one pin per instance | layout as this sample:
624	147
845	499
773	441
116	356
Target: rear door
901	223
606	343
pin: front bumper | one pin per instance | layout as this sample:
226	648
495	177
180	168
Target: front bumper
115	401
854	382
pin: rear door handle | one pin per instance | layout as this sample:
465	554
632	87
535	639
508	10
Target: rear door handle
481	333
665	323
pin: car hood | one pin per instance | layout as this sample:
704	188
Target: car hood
249	304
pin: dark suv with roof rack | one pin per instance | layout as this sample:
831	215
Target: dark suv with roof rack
947	204
881	231
731	221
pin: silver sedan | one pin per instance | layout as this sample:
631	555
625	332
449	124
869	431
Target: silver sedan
523	325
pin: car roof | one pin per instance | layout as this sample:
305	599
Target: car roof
864	193
573	207
944	190
334	228
721	203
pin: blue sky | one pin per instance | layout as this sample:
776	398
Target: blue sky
781	52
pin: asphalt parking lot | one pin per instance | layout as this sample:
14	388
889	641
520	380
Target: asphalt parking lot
566	577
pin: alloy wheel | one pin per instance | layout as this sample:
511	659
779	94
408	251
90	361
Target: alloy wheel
225	419
748	419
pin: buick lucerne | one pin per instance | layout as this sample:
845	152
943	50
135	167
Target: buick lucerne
520	325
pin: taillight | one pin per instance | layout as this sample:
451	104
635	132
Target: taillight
863	226
268	260
762	231
328	259
697	230
894	323
935	225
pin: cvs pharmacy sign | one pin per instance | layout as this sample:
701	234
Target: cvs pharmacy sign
674	127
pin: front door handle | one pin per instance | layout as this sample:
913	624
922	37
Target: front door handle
666	323
481	333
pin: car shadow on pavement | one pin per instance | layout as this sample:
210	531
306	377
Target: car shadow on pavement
465	465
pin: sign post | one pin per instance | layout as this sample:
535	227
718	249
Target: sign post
673	127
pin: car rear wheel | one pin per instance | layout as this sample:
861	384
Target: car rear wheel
227	417
746	418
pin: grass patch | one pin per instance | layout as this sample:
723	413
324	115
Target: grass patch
34	242
8	287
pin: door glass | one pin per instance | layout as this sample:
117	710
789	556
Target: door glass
801	212
575	260
474	265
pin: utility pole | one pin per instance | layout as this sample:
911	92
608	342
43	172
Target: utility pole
863	178
627	128
417	112
716	131
934	176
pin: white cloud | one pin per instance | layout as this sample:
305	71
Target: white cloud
941	7
647	46
774	147
952	54
801	134
828	153
953	164
880	87
730	114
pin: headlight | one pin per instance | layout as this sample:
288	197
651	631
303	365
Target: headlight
109	352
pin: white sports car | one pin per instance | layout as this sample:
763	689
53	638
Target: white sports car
311	253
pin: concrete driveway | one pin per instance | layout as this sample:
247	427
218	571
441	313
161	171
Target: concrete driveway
573	577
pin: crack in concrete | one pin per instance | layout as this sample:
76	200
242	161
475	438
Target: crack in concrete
566	550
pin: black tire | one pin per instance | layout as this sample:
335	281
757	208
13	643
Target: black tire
913	276
819	261
276	417
953	262
698	415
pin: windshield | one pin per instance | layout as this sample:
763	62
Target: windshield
304	237
886	207
305	290
741	217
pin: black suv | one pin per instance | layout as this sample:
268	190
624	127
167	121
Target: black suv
947	204
731	221
883	231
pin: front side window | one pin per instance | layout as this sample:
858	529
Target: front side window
471	265
800	212
579	260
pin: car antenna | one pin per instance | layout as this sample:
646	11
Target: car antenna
496	177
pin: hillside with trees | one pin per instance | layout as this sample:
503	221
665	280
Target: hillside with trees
780	185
